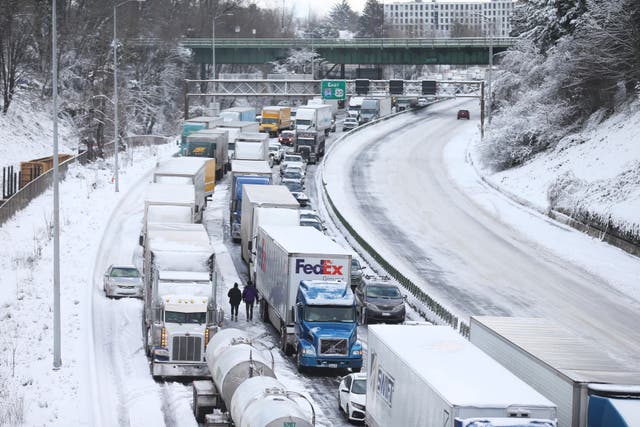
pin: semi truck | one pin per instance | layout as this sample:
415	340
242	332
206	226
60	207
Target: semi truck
374	108
303	280
234	114
590	388
355	104
243	388
275	119
209	143
273	216
310	145
251	146
189	170
455	383
195	124
180	308
314	117
244	172
254	196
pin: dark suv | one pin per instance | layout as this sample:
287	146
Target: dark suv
379	301
463	114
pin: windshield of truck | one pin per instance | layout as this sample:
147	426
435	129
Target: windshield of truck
303	122
124	272
383	292
269	121
359	387
329	314
178	317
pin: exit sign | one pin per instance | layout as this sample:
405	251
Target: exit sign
333	89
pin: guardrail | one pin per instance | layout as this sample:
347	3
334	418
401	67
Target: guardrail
205	43
39	185
436	308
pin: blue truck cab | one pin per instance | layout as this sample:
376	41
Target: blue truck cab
325	326
236	200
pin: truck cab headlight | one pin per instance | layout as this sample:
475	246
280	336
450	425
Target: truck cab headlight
308	351
357	352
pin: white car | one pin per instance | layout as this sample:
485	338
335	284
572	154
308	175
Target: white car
122	281
352	396
275	152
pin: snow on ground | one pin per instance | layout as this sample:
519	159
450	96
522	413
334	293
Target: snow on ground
596	171
26	133
87	199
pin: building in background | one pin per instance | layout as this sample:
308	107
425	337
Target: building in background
448	18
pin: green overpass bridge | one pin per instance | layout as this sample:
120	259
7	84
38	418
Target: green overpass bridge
455	51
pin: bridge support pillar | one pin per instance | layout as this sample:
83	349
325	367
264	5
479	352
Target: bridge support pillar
342	71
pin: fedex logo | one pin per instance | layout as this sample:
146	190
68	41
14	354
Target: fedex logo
325	268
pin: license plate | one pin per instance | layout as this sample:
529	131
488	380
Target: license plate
331	365
386	314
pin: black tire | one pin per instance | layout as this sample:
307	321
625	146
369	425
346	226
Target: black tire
356	370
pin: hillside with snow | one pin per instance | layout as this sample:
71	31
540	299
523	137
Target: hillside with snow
591	174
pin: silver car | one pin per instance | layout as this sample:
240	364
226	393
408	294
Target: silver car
122	281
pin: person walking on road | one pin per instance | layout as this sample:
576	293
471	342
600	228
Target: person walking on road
235	296
249	295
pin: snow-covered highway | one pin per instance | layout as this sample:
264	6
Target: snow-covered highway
405	185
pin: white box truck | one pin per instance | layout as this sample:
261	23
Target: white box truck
314	117
252	146
303	280
180	308
188	170
589	387
272	216
374	108
168	204
421	375
275	196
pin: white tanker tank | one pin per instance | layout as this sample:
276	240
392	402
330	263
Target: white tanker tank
264	401
233	360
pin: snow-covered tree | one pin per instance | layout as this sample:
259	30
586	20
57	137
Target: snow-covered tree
546	21
370	23
343	18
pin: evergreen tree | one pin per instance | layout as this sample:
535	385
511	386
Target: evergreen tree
342	17
371	21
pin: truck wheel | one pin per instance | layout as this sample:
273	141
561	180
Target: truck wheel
356	370
263	311
284	345
299	365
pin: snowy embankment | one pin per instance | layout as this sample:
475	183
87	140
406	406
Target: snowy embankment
592	175
26	133
87	198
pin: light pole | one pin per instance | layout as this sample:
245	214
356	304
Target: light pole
57	358
116	137
213	49
490	20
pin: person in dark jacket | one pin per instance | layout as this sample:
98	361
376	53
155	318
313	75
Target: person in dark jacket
235	296
249	296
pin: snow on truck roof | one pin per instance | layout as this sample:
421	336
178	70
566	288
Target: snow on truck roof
273	194
250	166
304	240
567	354
460	372
170	194
178	237
180	166
319	292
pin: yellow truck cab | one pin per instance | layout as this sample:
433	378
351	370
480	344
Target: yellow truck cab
275	119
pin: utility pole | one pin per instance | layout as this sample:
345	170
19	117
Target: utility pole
57	358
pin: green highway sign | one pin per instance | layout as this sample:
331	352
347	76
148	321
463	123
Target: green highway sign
334	89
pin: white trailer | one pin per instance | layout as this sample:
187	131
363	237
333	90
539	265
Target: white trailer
564	368
424	375
180	307
245	114
168	203
272	216
243	126
252	146
188	170
285	256
314	117
254	196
